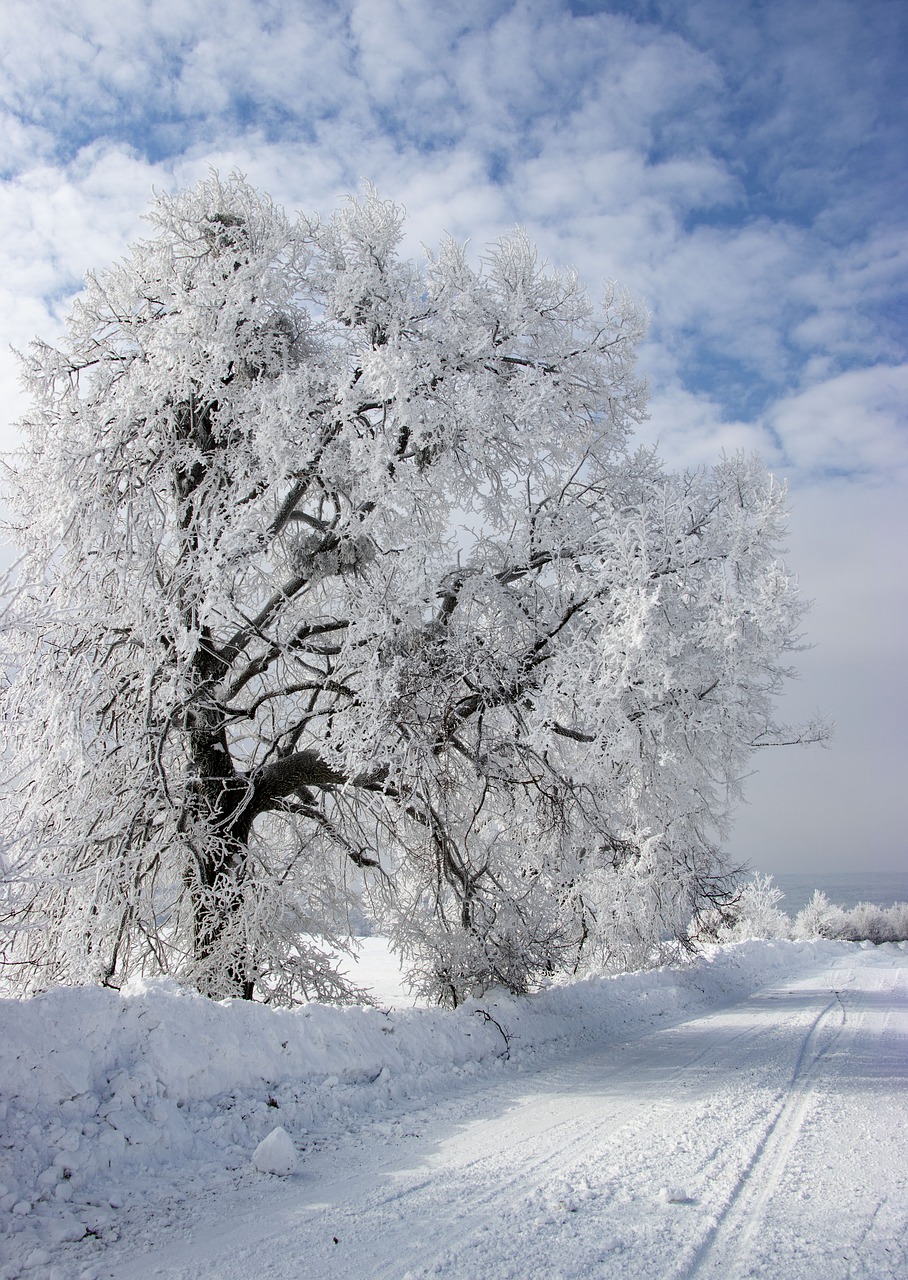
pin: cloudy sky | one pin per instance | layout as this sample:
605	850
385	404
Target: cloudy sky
739	166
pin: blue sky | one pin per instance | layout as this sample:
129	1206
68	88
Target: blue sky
739	167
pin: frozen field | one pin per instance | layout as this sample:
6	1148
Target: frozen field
741	1116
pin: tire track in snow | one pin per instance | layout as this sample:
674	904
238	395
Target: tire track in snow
463	1197
559	1144
484	1192
502	1149
726	1246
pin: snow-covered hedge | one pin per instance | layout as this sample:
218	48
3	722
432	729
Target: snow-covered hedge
864	923
757	914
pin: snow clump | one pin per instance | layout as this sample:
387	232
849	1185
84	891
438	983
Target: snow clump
276	1153
675	1195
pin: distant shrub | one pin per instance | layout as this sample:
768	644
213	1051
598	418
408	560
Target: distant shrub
756	914
864	923
898	917
820	918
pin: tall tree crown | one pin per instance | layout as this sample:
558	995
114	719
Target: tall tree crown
336	560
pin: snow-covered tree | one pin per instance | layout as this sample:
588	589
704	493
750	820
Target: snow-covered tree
335	562
755	913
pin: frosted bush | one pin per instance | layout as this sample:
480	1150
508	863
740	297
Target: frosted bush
898	922
869	923
756	913
820	918
866	922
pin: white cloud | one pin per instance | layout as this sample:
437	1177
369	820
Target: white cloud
691	431
854	422
54	227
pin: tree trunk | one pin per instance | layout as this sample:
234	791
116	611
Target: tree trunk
217	820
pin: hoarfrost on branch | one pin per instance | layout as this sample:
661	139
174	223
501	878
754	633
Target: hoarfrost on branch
340	572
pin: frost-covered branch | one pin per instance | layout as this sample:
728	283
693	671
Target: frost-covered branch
339	569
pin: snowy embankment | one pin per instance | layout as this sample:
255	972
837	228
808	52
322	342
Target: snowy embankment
104	1094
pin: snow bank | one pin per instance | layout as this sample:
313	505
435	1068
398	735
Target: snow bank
100	1089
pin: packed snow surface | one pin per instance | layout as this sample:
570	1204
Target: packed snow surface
741	1115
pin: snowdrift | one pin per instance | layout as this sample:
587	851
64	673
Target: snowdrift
101	1089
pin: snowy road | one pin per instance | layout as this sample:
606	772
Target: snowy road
765	1139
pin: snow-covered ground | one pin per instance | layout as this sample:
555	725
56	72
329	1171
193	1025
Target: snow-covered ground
744	1115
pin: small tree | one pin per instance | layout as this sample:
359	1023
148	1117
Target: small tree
329	561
